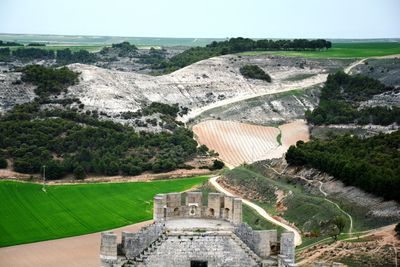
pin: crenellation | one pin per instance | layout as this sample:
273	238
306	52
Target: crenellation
212	233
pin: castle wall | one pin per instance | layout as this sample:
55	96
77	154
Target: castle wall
265	240
108	249
287	245
240	245
214	205
134	243
168	206
217	250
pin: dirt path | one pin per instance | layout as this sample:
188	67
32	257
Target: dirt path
176	174
261	211
323	193
358	62
385	233
79	251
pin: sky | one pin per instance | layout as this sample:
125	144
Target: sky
204	18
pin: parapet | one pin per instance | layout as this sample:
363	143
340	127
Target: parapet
108	249
219	206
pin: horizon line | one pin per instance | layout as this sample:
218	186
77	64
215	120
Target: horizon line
169	37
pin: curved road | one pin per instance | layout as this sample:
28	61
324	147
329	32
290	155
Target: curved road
261	211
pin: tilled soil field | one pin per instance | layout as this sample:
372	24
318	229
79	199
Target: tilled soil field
239	143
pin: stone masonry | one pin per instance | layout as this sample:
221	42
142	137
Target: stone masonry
189	231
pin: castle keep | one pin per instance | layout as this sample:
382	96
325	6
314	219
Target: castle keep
190	231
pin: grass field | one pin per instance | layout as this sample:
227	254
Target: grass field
342	50
74	48
27	214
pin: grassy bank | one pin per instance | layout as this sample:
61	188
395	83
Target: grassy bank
27	214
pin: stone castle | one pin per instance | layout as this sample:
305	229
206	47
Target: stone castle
192	231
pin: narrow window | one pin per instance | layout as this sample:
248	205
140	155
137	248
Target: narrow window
198	264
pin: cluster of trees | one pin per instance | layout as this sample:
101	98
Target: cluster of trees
156	107
33	53
63	56
3	161
255	72
372	164
3	43
341	97
124	49
36	44
236	45
154	57
5	54
49	80
71	143
66	56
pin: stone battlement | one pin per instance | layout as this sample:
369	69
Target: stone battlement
189	231
219	206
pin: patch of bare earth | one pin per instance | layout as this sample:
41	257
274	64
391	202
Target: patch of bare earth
79	251
378	248
239	143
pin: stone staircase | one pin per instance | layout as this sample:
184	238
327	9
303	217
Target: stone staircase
151	248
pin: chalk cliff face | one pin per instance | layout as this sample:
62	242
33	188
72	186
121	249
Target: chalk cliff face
208	83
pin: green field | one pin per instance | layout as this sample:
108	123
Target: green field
85	40
74	48
27	214
341	50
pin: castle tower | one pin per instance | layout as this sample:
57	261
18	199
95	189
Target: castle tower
160	208
108	249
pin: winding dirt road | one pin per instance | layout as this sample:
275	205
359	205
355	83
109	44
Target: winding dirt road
261	211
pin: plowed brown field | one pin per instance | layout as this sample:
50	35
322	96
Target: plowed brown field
239	143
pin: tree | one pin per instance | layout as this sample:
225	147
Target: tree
217	165
340	222
397	229
3	163
334	232
254	72
54	170
79	173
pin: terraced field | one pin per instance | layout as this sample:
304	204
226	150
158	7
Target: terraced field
27	214
238	142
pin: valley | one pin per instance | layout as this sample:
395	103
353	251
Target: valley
123	122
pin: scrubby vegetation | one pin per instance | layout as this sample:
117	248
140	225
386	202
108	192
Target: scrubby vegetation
397	229
67	142
33	53
49	80
3	43
36	44
5	54
372	164
63	56
254	72
66	56
124	49
311	214
340	100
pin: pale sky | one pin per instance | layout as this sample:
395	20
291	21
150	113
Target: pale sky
204	18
